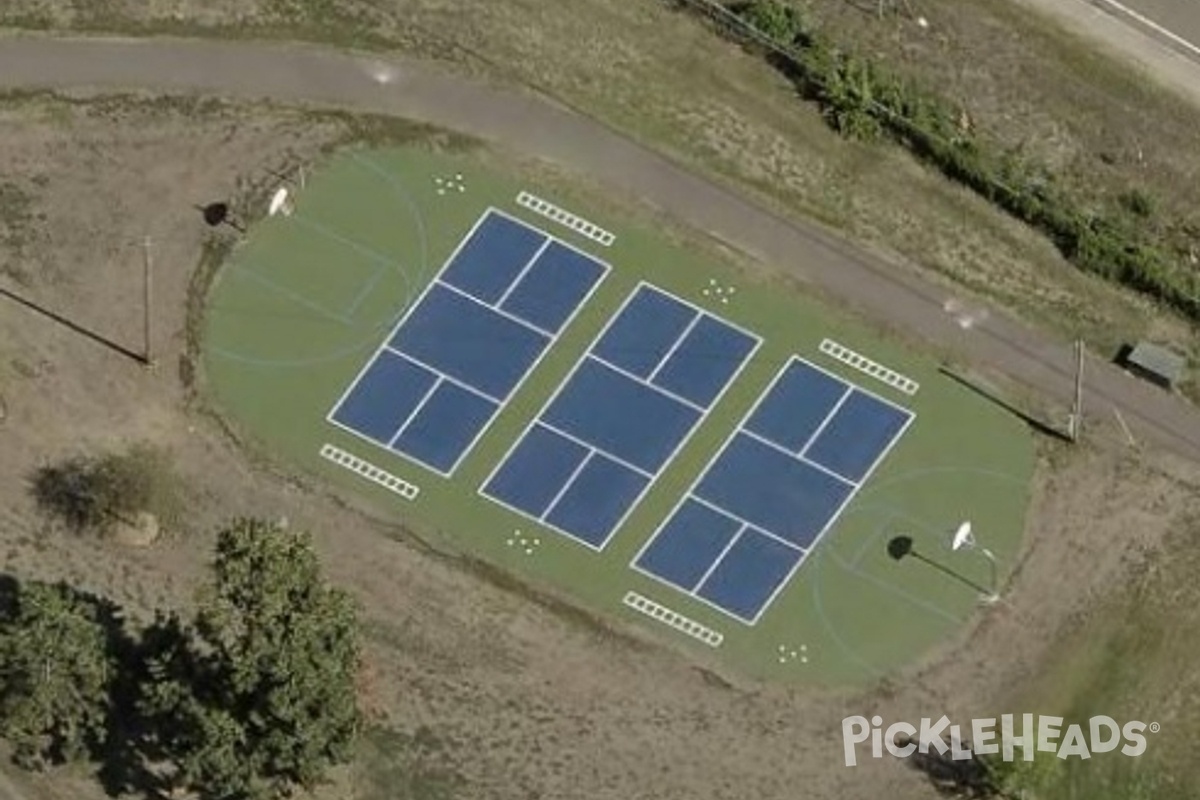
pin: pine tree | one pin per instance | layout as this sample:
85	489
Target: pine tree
55	675
261	697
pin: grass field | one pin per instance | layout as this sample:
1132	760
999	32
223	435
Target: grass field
307	298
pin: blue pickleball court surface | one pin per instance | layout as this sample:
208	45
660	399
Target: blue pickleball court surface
777	485
468	343
620	417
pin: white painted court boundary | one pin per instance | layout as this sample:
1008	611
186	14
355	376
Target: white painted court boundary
676	620
564	217
869	367
369	471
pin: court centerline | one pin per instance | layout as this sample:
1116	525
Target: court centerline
695	320
416	410
528	265
698	585
801	453
583	462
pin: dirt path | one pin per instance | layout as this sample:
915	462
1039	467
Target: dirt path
540	127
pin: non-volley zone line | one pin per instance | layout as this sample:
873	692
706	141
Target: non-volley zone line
674	619
868	367
772	491
468	343
566	218
620	416
366	469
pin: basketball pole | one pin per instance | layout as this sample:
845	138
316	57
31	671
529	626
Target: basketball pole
147	295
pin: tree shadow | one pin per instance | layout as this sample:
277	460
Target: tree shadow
970	778
123	753
65	491
134	745
9	588
74	327
900	546
1041	426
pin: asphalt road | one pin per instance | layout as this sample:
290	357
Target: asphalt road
1175	22
526	122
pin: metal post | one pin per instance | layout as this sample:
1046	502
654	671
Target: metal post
995	577
1077	411
147	304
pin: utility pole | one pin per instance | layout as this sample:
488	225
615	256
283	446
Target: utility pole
1077	410
147	304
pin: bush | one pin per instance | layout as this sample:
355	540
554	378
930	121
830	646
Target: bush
96	493
782	22
1137	202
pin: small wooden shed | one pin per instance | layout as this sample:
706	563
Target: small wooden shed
1155	363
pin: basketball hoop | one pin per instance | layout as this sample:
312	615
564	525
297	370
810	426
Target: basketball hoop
964	539
281	203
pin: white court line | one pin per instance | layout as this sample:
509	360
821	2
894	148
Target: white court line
582	443
404	317
767	443
720	557
537	418
643	382
560	242
693	494
691	490
570	480
606	268
818	466
1152	25
521	275
856	386
482	490
445	376
436	280
701	500
674	346
701	310
574	537
832	520
511	317
674	619
825	422
437	381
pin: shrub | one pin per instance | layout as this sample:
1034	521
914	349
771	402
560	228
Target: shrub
782	22
95	493
1138	202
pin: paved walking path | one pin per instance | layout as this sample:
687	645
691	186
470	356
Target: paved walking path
527	122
